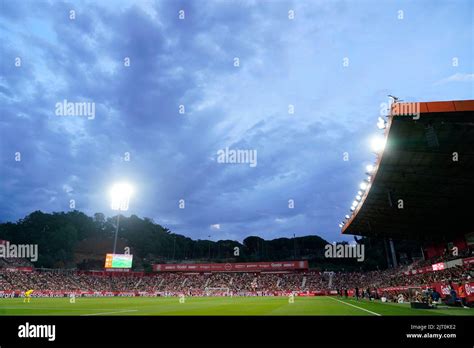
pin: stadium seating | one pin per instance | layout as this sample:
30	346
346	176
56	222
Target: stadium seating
236	283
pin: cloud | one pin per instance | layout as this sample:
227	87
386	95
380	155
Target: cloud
458	77
67	188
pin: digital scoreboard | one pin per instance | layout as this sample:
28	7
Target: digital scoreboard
118	261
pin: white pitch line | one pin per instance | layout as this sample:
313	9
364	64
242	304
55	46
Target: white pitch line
124	311
335	299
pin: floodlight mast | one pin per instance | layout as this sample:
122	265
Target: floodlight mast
116	231
120	194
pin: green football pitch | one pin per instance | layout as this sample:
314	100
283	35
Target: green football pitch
106	306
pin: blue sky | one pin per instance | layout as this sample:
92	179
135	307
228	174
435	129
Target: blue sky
190	62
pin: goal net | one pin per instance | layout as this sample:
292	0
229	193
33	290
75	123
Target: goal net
217	291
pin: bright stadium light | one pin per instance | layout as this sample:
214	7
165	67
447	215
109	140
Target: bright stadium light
377	143
363	185
359	193
369	169
347	217
120	196
358	197
340	225
354	204
353	208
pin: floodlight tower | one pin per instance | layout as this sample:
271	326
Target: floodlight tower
120	197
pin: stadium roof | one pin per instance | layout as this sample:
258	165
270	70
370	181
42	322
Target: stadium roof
419	167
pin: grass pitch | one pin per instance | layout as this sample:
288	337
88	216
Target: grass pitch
277	306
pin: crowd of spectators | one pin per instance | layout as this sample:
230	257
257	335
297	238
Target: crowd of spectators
235	282
446	256
15	262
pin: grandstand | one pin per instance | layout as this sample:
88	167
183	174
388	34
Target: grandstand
420	188
427	163
174	283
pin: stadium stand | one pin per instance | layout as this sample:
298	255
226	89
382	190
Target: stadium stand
236	283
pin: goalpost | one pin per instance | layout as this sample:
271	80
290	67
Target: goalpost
217	291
